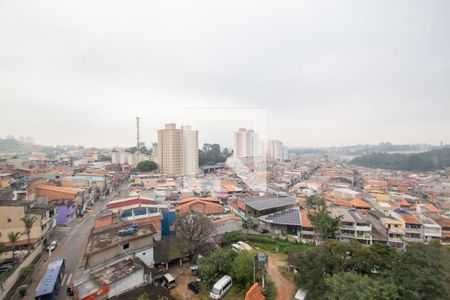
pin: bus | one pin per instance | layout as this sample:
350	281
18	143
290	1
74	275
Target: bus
51	282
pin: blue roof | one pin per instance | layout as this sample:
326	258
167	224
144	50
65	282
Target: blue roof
47	283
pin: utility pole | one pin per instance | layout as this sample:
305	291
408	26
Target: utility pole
137	139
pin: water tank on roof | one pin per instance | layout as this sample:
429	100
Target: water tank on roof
262	258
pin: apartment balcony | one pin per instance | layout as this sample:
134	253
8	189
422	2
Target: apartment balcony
347	235
396	231
347	227
364	236
363	228
307	232
415	230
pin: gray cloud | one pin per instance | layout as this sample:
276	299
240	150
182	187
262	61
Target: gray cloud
327	72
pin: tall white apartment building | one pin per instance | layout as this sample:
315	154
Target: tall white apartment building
247	143
276	150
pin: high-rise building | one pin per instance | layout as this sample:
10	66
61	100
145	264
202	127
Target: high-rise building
178	150
155	152
246	143
276	150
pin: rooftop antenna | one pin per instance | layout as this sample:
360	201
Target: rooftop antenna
137	138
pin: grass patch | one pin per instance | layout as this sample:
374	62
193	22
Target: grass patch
264	242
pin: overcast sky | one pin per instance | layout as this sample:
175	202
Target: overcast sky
325	72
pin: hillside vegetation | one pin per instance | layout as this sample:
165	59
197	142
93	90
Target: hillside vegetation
426	161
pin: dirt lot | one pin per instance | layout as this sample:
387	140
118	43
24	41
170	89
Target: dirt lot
285	288
183	276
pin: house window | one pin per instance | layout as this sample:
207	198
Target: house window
126	246
9	220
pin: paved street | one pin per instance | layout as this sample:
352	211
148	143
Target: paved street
71	247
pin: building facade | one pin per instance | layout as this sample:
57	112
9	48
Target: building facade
178	150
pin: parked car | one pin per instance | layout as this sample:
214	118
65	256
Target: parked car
194	270
52	246
263	230
194	286
168	281
6	267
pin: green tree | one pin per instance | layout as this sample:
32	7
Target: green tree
147	166
143	297
13	238
242	270
352	286
321	217
214	266
28	222
423	272
329	258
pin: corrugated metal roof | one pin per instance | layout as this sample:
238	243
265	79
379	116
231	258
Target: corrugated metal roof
268	202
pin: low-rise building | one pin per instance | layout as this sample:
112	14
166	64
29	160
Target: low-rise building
291	221
110	244
113	280
11	213
264	205
355	225
413	227
431	229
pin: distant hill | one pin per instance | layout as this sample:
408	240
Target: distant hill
425	161
13	146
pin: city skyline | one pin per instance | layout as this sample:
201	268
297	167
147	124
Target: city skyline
328	74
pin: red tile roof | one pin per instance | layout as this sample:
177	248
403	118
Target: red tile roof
59	189
254	293
431	207
129	202
410	219
360	203
306	222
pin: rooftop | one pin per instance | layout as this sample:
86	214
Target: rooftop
268	202
104	238
129	202
410	219
290	216
346	216
66	190
107	276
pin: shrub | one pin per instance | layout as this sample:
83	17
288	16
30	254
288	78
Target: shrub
22	291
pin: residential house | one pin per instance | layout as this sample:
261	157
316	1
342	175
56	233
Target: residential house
114	280
11	213
292	221
355	225
111	244
413	227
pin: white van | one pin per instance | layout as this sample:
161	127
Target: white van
221	287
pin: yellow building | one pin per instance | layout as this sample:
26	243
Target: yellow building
5	180
12	211
379	195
